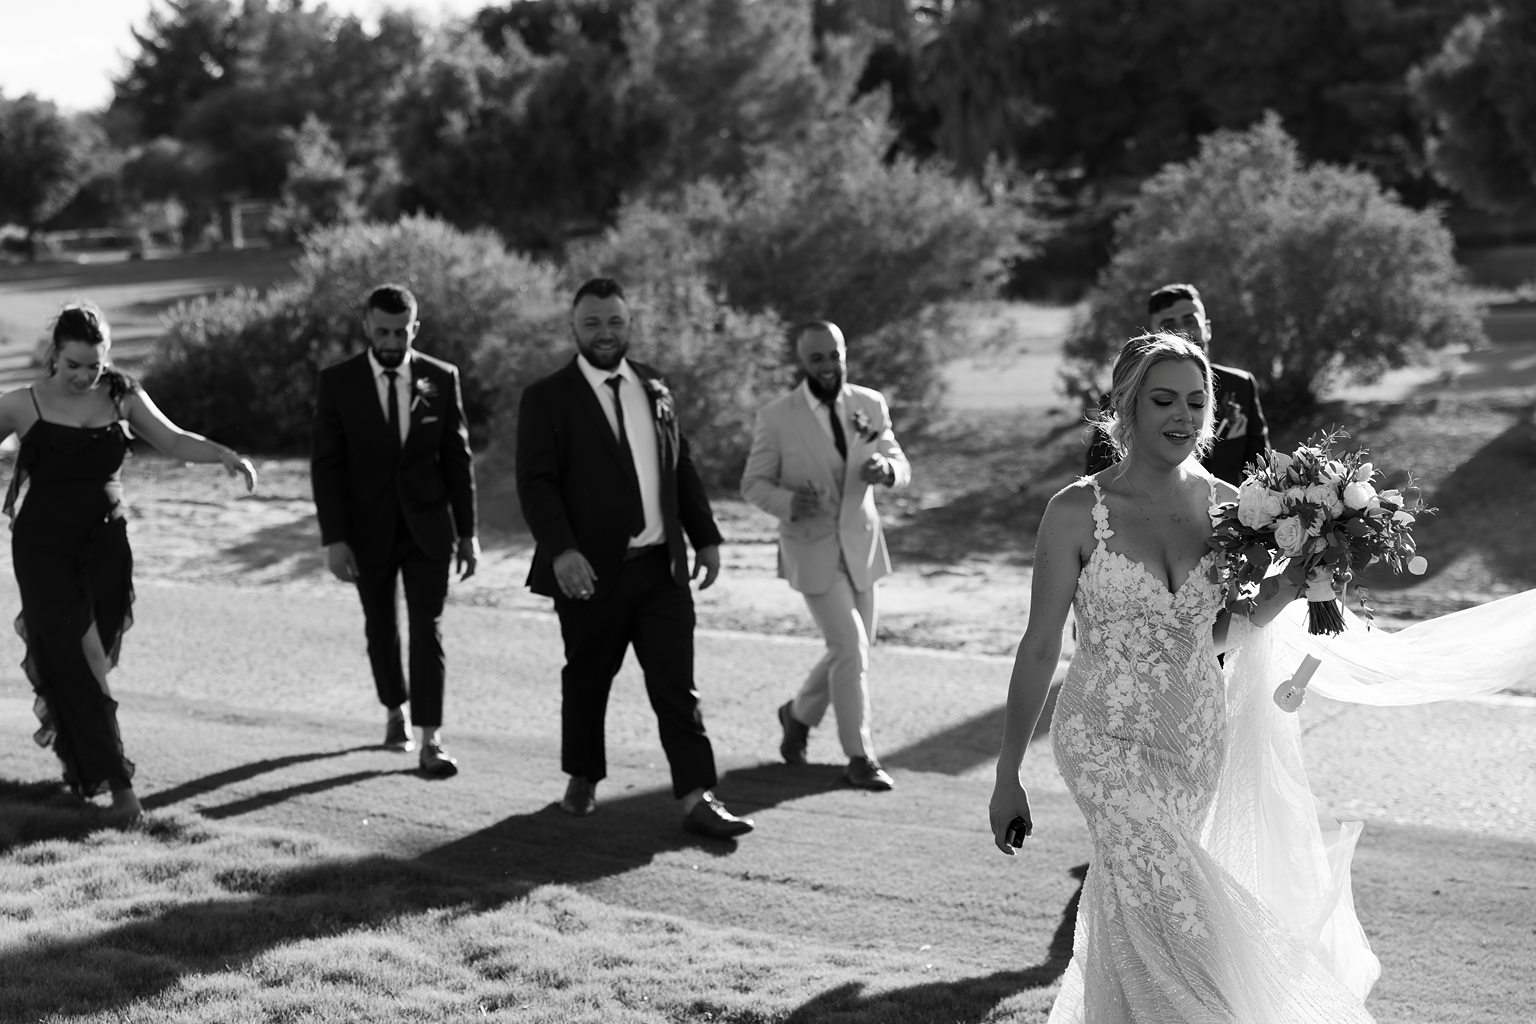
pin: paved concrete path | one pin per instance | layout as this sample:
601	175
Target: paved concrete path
254	705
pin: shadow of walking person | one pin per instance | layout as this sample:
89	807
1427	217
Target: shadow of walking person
966	1001
549	846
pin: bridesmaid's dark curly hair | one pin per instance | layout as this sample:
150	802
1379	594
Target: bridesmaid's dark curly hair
83	322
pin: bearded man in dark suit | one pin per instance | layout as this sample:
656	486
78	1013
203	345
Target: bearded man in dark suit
394	486
610	493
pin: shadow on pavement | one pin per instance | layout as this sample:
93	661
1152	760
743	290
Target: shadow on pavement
966	1001
218	780
271	798
480	872
273	545
965	745
549	846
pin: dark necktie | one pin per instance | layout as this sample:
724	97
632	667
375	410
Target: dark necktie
392	406
637	506
838	437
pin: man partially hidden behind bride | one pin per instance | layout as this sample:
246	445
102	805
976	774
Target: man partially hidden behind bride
1198	908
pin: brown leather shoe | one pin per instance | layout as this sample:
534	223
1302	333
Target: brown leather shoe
580	797
709	818
435	762
796	735
866	773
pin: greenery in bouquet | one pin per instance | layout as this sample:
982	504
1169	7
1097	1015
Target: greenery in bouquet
1319	510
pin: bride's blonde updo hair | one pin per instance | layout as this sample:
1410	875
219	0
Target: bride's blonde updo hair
1137	357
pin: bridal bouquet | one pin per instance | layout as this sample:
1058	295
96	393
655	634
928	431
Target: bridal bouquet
1323	509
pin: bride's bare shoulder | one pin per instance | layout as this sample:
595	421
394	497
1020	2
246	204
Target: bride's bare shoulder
1076	496
1069	512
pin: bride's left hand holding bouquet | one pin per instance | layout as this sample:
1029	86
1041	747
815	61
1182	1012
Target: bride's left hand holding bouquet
1320	510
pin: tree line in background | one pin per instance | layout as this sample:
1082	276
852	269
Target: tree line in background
746	165
538	118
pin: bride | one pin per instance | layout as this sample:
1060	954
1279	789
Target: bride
1219	890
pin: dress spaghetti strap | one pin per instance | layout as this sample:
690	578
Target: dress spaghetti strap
1101	530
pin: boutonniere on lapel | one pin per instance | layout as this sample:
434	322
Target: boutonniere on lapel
422	392
861	426
661	400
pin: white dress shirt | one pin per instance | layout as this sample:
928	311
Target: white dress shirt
402	391
824	413
642	440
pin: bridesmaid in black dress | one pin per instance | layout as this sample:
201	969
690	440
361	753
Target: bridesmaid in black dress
69	541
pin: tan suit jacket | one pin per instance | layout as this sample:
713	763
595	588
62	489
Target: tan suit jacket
791	447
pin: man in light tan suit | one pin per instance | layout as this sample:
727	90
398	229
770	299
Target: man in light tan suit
818	453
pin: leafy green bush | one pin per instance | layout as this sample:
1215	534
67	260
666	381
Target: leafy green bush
243	367
1311	275
831	230
474	295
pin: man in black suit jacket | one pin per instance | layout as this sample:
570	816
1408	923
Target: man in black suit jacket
609	491
1242	434
394	485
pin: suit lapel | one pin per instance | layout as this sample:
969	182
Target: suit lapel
815	437
666	439
368	385
855	439
586	400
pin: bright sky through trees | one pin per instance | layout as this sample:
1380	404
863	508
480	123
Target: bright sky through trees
68	51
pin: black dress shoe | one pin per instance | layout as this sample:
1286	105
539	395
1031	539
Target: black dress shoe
866	773
435	762
796	734
397	733
709	818
580	797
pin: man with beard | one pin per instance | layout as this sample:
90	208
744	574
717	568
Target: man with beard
818	453
394	486
609	491
1242	434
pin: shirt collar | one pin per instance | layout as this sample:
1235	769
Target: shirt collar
404	369
599	378
816	403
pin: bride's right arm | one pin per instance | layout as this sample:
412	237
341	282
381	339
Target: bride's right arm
1058	560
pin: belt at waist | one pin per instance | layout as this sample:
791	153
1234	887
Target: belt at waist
641	552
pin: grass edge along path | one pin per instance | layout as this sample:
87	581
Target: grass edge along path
184	919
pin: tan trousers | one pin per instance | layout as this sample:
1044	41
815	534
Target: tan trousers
846	618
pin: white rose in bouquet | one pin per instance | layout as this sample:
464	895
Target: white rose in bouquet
1359	494
1254	507
1327	498
1290	535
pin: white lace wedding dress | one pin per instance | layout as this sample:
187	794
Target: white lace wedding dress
1169	929
1218	890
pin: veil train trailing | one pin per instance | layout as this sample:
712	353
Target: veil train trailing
1266	827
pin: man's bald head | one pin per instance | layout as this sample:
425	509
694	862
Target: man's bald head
823	356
